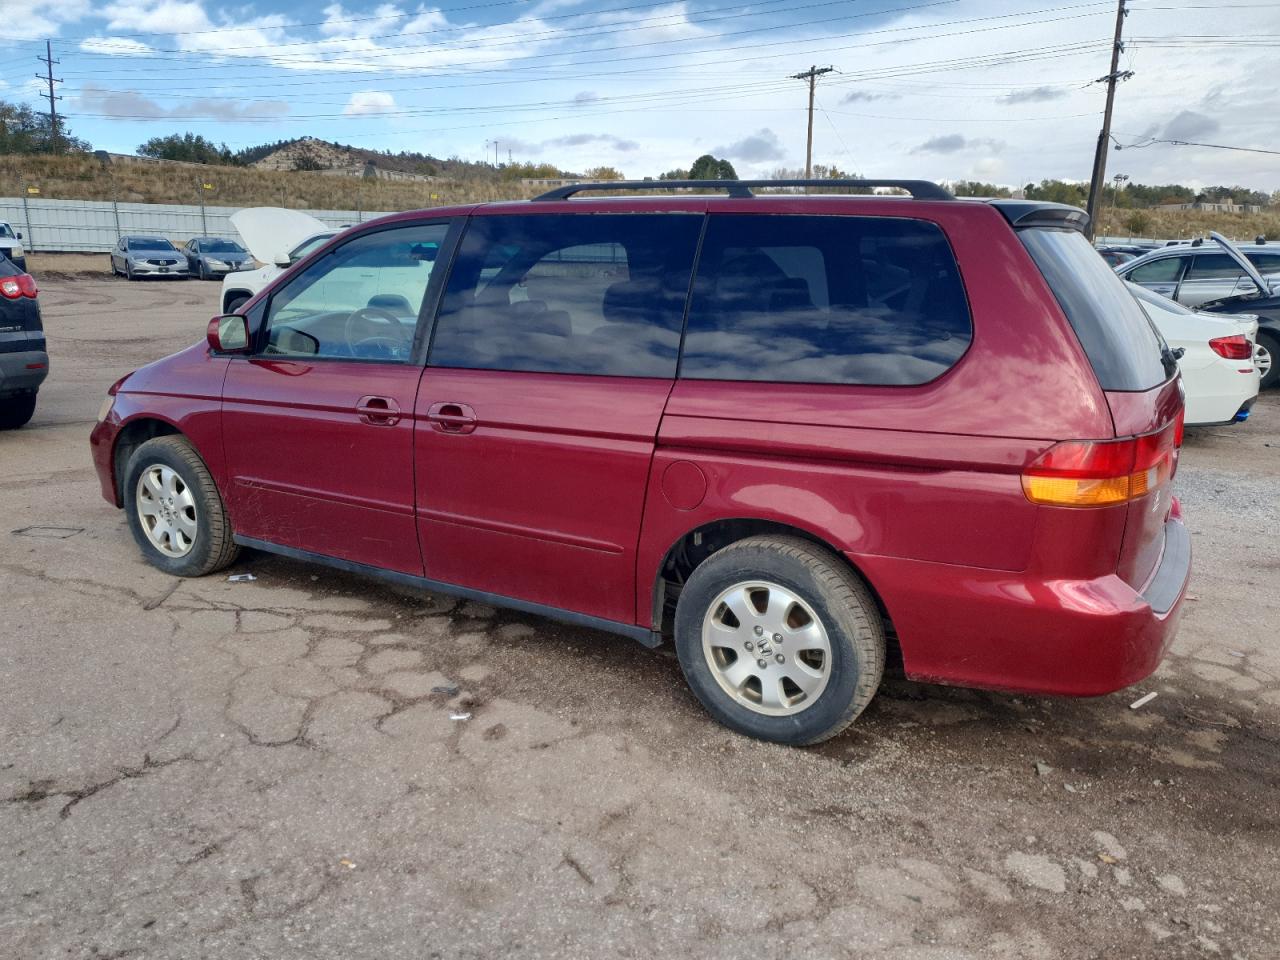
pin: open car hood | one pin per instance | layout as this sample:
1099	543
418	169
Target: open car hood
1243	262
270	233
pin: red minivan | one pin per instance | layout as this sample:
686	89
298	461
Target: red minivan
777	428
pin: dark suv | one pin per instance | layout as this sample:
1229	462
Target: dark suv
24	362
776	428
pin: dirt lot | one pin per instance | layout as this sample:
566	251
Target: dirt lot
270	769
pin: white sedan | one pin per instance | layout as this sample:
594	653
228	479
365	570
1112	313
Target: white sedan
1217	367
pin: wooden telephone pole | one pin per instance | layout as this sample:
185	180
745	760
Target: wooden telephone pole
1097	183
48	61
812	75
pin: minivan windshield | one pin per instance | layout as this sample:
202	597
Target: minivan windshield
1123	347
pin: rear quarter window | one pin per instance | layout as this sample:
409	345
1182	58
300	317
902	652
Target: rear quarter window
1123	348
808	299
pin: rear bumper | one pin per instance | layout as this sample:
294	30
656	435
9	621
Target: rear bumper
1008	631
22	372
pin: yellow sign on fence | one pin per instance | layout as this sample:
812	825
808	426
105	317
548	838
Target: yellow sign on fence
33	189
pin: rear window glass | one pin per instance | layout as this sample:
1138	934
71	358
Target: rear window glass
596	294
1265	262
1120	342
800	299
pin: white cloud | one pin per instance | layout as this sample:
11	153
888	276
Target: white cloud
759	147
116	46
365	102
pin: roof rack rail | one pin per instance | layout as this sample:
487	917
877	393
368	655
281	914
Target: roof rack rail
919	189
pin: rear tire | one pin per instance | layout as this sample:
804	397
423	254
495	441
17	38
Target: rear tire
17	411
807	630
1269	347
175	512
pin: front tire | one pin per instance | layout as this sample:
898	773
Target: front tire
780	640
128	270
234	303
17	411
175	512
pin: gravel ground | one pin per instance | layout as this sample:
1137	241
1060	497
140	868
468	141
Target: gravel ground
272	769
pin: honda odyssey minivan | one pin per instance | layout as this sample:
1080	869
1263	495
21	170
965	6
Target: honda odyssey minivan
776	429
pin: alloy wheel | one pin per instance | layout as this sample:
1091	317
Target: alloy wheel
766	648
1262	359
167	510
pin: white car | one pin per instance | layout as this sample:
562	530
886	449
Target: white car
11	245
1216	361
277	238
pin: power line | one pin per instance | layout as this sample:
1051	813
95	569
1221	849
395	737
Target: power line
1152	141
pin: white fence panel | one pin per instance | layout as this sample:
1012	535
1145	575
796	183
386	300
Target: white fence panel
93	226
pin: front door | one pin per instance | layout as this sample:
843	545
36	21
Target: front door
552	359
318	422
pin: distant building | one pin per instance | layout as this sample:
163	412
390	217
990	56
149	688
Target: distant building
1226	206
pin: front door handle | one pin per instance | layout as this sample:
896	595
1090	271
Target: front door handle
379	411
452	417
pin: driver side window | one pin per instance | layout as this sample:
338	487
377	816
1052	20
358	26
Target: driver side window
361	301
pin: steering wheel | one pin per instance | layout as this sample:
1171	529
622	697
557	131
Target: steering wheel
380	325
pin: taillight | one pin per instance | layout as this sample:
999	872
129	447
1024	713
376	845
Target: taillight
1234	347
1099	473
23	285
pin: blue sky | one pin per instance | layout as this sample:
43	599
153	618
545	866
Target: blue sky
944	89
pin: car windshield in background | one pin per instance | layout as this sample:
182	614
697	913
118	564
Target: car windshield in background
6	230
150	244
221	246
1125	350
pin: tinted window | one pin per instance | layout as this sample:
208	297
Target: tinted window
221	246
1265	262
359	301
1120	342
6	230
795	299
308	245
1214	266
145	243
596	294
1158	271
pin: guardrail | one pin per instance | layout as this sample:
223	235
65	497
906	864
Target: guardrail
94	226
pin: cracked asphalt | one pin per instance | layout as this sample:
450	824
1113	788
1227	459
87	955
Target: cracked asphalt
274	769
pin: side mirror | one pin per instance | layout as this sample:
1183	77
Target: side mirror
286	263
229	333
19	236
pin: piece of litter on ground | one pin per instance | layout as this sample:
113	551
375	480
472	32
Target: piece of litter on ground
450	688
347	863
241	578
1069	788
1192	597
459	716
1107	858
1238	653
1043	769
1142	701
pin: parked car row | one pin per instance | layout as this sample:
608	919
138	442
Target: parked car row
207	258
1220	279
775	429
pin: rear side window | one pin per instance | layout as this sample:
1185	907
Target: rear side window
800	299
593	294
1214	266
1265	262
1120	342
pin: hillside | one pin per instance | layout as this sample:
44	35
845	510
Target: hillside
84	177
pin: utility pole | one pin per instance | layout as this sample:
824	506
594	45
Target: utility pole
812	75
1097	182
48	61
